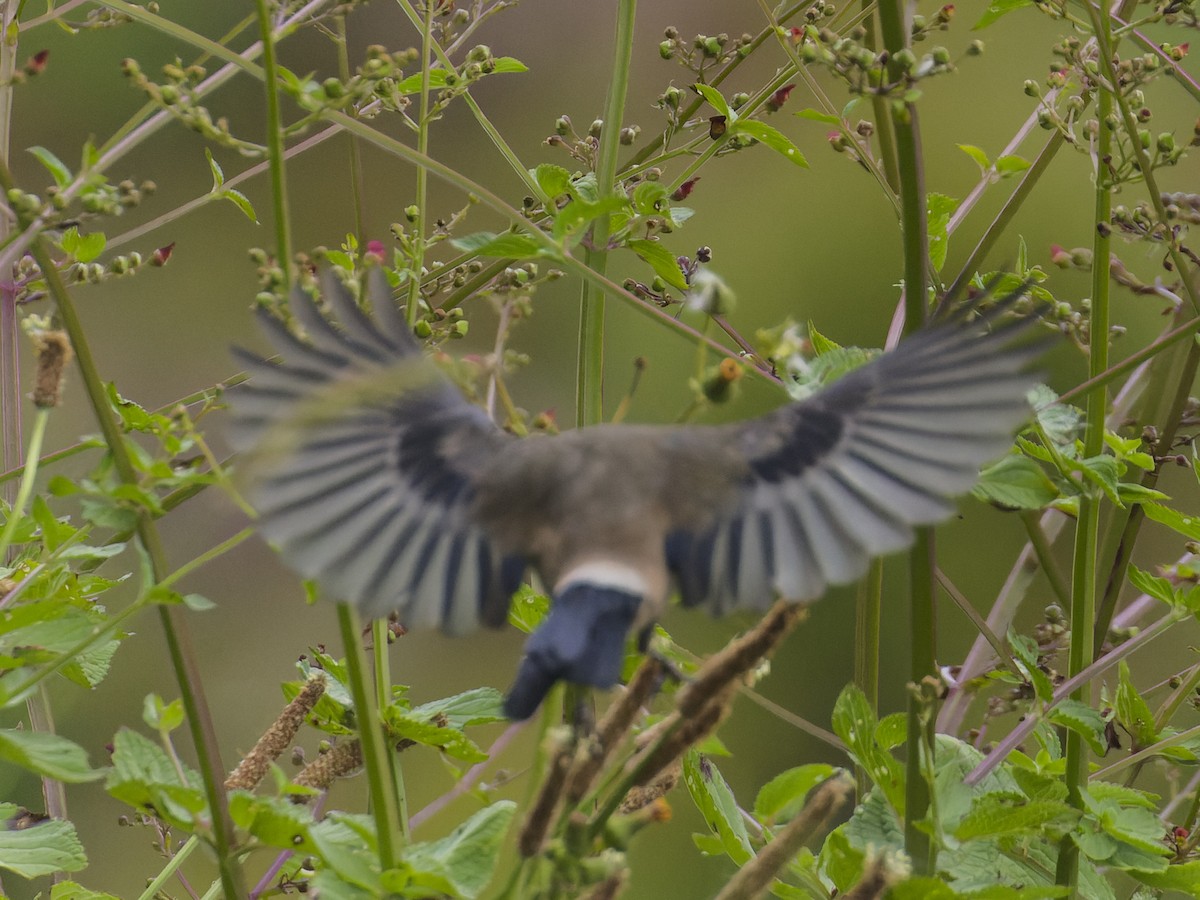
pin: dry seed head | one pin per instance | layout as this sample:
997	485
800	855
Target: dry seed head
53	354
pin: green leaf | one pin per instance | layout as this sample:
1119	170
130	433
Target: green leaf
276	821
162	717
144	777
509	245
977	155
998	8
716	101
466	857
71	890
1103	471
892	730
241	201
649	197
33	848
554	181
1188	526
662	261
854	723
46	754
996	815
425	730
1182	877
817	116
1015	482
1025	651
82	247
218	173
716	803
1154	586
528	608
347	845
478	706
1083	720
1132	711
1011	165
508	65
58	171
781	798
772	137
841	862
940	209
821	344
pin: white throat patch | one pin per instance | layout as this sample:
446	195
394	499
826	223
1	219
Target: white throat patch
604	573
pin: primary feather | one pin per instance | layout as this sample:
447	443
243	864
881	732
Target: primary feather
373	474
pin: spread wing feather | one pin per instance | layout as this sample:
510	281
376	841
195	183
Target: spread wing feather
365	464
845	476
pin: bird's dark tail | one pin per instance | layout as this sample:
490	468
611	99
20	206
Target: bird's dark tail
582	640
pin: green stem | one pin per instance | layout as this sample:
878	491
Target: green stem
868	604
370	737
895	34
589	385
412	307
356	177
1044	552
1087	529
25	488
283	237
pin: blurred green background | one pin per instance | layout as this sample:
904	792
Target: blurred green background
819	244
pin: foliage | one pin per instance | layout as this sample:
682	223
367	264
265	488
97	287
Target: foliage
1060	801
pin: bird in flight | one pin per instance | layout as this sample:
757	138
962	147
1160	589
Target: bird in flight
373	474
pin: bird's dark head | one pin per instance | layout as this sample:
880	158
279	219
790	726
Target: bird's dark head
582	640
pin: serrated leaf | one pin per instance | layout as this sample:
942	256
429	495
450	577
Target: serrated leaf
508	245
1103	471
37	849
649	197
508	65
781	798
423	730
478	706
218	173
1132	711
46	754
770	136
716	803
662	261
716	101
995	816
820	344
1015	482
241	201
1025	651
854	722
466	858
1188	526
1083	720
554	181
1182	877
58	170
892	730
276	821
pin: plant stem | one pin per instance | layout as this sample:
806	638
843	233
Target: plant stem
589	385
412	307
868	604
17	511
370	736
895	33
1083	569
279	196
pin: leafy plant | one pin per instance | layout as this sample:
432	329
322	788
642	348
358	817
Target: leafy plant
1074	776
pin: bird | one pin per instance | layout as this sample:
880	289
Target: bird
373	474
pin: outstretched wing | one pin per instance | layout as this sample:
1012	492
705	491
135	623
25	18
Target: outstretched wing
844	476
364	462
